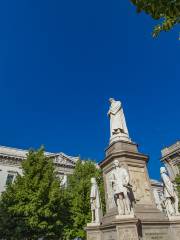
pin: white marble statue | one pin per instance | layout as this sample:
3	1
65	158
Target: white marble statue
170	195
95	202
118	128
120	185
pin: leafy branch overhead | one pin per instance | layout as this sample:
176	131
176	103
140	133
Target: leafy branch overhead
167	11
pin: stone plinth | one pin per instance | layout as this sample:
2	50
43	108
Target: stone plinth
120	229
127	229
94	233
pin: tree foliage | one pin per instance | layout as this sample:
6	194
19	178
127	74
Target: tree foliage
79	186
167	11
34	205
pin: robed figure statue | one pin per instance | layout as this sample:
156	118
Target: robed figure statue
121	188
95	202
170	195
118	127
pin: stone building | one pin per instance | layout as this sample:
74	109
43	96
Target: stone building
10	164
171	158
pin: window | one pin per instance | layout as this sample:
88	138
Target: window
10	178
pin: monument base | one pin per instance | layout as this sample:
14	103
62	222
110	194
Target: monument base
134	229
124	229
149	223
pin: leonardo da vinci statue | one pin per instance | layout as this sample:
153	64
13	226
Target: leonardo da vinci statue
118	127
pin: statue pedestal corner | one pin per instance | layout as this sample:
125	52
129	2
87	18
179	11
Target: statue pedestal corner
93	224
93	231
122	217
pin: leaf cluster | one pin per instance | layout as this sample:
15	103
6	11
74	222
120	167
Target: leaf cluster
168	11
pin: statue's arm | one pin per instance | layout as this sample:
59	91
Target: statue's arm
110	112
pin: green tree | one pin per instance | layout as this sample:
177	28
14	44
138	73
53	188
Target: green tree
79	186
34	205
167	11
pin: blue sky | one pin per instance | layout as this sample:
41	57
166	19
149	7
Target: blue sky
60	61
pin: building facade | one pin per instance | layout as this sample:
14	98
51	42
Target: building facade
171	159
11	159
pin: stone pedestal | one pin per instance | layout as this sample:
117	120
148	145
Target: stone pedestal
127	229
117	230
148	222
94	233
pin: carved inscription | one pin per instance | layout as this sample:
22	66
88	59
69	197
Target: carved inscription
156	236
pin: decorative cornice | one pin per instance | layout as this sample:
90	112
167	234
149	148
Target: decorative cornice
14	156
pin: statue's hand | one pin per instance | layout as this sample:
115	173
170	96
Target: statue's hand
109	113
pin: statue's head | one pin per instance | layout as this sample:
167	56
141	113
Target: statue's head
111	100
163	170
93	180
116	163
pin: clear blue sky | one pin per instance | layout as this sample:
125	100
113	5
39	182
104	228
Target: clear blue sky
60	61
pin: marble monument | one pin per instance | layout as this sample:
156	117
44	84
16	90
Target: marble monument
132	212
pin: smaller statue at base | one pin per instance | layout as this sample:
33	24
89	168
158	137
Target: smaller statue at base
95	203
121	188
170	196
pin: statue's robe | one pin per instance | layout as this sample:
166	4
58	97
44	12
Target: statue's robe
121	180
117	118
95	196
168	186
